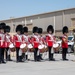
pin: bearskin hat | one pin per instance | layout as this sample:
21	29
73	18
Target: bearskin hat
40	30
2	25
50	28
7	28
65	29
35	29
19	28
25	29
74	30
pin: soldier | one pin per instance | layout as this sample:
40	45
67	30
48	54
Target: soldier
35	42
17	39
26	40
8	40
2	42
64	42
50	40
74	39
41	38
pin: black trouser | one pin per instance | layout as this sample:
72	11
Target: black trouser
24	56
35	54
2	54
64	52
18	58
7	55
50	54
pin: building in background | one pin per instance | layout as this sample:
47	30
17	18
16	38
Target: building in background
56	18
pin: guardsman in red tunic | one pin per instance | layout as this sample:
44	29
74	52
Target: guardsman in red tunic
26	40
2	42
35	42
8	41
64	42
17	39
50	41
41	39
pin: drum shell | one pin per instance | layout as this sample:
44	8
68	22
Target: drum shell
46	49
31	50
42	50
12	49
24	49
56	49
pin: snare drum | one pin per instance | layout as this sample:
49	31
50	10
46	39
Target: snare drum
56	47
46	48
30	47
23	47
12	47
41	48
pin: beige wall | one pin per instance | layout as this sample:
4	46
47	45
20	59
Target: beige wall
62	18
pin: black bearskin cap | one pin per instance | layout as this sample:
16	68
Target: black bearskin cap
65	29
50	28
7	28
35	29
40	30
74	30
2	25
19	28
25	29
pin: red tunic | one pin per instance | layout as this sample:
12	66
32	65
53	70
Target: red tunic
8	40
26	39
64	43
17	39
41	39
35	41
2	40
50	40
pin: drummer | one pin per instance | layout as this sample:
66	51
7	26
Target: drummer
17	39
8	41
74	40
26	40
50	40
2	42
42	41
35	42
64	42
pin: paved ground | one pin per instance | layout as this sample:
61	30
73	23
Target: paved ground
46	67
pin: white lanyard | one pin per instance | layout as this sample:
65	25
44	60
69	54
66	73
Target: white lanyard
19	38
37	38
25	38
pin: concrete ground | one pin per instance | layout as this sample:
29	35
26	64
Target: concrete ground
44	67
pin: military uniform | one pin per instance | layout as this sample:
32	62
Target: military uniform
17	39
35	42
26	40
8	41
2	42
64	42
50	41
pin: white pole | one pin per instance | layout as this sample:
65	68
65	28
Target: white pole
54	25
25	22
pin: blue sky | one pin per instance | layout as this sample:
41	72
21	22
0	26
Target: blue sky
19	8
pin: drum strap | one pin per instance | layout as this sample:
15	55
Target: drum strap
25	38
51	36
19	38
8	38
2	38
36	37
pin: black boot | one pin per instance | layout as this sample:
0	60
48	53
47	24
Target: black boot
9	59
26	57
40	56
23	57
